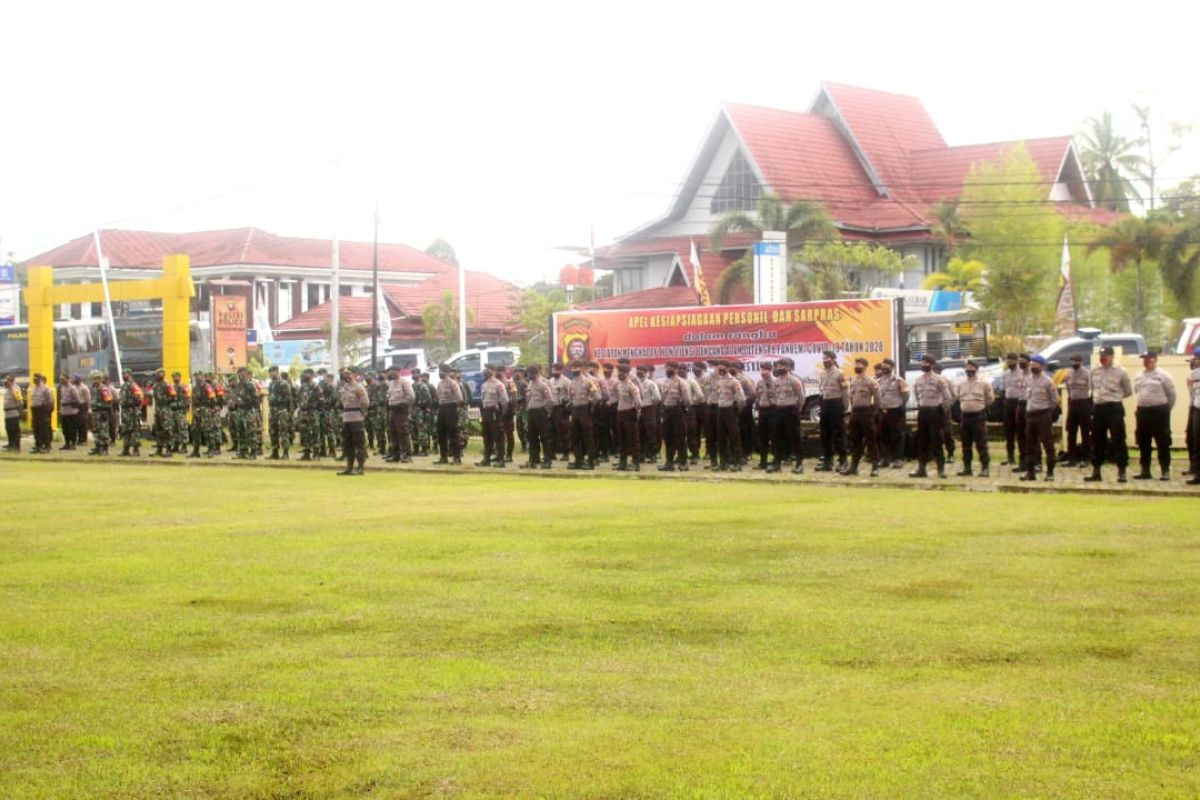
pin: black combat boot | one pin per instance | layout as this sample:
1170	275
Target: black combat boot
1094	477
965	472
274	454
920	473
195	450
984	473
1121	475
874	469
851	470
1144	475
125	451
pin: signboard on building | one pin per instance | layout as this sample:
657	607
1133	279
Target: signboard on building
312	352
770	271
750	334
229	331
9	300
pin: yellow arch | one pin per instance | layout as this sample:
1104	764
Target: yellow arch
174	288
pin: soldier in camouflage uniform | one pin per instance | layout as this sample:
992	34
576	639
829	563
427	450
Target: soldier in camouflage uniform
247	414
424	420
202	409
236	419
464	412
162	397
104	404
522	410
377	420
181	402
327	428
255	420
216	433
281	402
131	415
307	416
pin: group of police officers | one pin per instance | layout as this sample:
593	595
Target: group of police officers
587	413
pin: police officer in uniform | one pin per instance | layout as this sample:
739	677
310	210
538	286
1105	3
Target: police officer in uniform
674	405
864	413
583	394
974	399
893	402
449	398
788	401
933	396
1012	383
763	391
1110	386
539	399
1155	398
400	398
833	385
1041	407
629	406
1079	412
355	404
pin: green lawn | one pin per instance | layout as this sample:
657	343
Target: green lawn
255	633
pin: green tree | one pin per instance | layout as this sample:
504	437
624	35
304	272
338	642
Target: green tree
802	221
1017	234
833	270
441	326
350	341
959	276
1151	164
441	249
1110	163
1132	241
949	227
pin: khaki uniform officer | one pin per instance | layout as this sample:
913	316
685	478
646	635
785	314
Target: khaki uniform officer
974	399
864	412
1155	398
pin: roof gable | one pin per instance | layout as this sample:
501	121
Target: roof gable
883	129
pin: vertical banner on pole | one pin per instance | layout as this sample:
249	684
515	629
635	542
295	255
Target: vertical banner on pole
770	269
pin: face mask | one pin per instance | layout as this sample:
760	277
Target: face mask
970	373
670	373
859	370
1036	370
721	372
926	368
779	373
1012	365
1076	366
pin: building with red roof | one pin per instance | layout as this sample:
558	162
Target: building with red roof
290	278
874	160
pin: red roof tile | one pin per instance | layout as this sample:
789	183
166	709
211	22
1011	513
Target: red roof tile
938	174
887	127
354	311
658	297
490	299
250	246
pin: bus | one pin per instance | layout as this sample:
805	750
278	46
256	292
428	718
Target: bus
84	346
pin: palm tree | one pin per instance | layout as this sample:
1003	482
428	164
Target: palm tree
949	227
1108	160
1179	259
959	276
441	325
802	220
1132	240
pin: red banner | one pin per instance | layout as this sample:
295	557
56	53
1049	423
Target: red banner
750	334
229	331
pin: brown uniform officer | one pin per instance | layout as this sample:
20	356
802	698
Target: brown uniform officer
864	414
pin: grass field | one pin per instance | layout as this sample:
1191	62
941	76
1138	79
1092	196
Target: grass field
255	633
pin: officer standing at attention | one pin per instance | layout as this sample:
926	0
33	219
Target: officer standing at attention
933	393
281	402
1013	392
864	411
833	385
1194	419
558	414
539	399
493	399
355	404
763	394
1040	409
583	393
629	405
1110	386
68	413
105	405
449	398
974	399
730	399
948	424
1155	398
399	399
41	407
674	405
788	400
893	399
1079	412
14	404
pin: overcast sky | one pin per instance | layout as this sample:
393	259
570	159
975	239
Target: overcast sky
505	128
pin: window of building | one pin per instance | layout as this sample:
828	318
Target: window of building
314	295
739	188
345	290
631	280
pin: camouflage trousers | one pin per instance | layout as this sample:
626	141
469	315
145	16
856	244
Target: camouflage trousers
420	429
254	430
179	429
206	424
464	419
377	429
327	433
307	423
102	419
131	428
280	421
522	426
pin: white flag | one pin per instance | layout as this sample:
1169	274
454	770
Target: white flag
385	318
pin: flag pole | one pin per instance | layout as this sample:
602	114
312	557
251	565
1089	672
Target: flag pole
334	296
101	261
375	291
